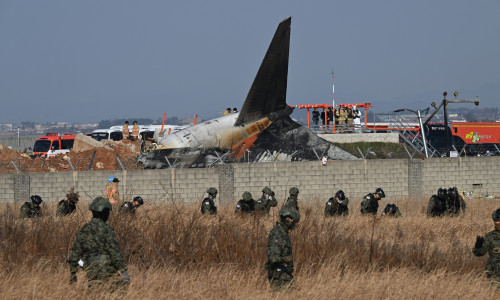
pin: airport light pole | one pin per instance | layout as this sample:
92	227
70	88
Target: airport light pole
444	104
422	131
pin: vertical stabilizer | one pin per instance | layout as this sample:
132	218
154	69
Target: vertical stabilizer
268	91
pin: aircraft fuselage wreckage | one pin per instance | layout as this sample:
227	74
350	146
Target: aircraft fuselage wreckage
208	142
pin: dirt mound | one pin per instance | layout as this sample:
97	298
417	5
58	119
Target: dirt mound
105	158
8	155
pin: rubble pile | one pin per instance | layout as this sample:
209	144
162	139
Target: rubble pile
105	158
8	155
293	143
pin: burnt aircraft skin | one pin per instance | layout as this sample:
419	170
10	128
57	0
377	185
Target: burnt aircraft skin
264	104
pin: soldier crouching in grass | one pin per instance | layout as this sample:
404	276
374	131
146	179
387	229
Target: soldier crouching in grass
491	244
279	250
97	247
67	206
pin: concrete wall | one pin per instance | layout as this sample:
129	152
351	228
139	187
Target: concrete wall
400	178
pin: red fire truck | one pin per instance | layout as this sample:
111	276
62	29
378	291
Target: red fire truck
52	144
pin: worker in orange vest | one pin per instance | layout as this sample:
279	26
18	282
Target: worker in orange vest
115	195
108	189
126	132
135	131
111	192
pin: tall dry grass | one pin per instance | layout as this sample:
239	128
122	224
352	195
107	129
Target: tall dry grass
173	252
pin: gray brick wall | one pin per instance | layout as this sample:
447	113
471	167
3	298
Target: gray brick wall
400	178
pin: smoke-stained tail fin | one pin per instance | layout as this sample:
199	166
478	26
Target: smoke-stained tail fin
268	91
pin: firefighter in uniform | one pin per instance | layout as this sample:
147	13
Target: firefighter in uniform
126	132
109	188
111	191
135	131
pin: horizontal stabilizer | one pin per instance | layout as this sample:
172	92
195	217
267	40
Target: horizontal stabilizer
268	91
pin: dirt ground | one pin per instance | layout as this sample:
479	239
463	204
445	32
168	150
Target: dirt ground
105	159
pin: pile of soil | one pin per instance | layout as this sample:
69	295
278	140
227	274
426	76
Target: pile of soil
8	155
105	158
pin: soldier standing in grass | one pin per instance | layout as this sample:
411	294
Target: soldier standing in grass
208	204
279	250
246	205
369	205
67	206
437	204
337	206
490	244
33	209
292	201
96	250
266	201
128	208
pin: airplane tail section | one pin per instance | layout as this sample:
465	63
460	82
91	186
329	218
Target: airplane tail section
268	91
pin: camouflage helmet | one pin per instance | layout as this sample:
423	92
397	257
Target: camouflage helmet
267	190
246	196
294	191
290	212
451	191
496	215
380	192
340	194
441	193
139	200
36	199
99	204
212	191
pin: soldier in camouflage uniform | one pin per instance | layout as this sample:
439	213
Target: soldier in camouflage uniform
208	204
67	206
337	206
33	209
279	249
454	202
97	251
246	205
128	208
490	244
437	204
266	201
369	205
391	210
292	201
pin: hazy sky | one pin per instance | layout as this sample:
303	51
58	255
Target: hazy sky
84	61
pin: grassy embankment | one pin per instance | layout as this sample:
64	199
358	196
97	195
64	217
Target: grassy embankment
173	252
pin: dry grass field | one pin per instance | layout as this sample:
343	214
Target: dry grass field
175	253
